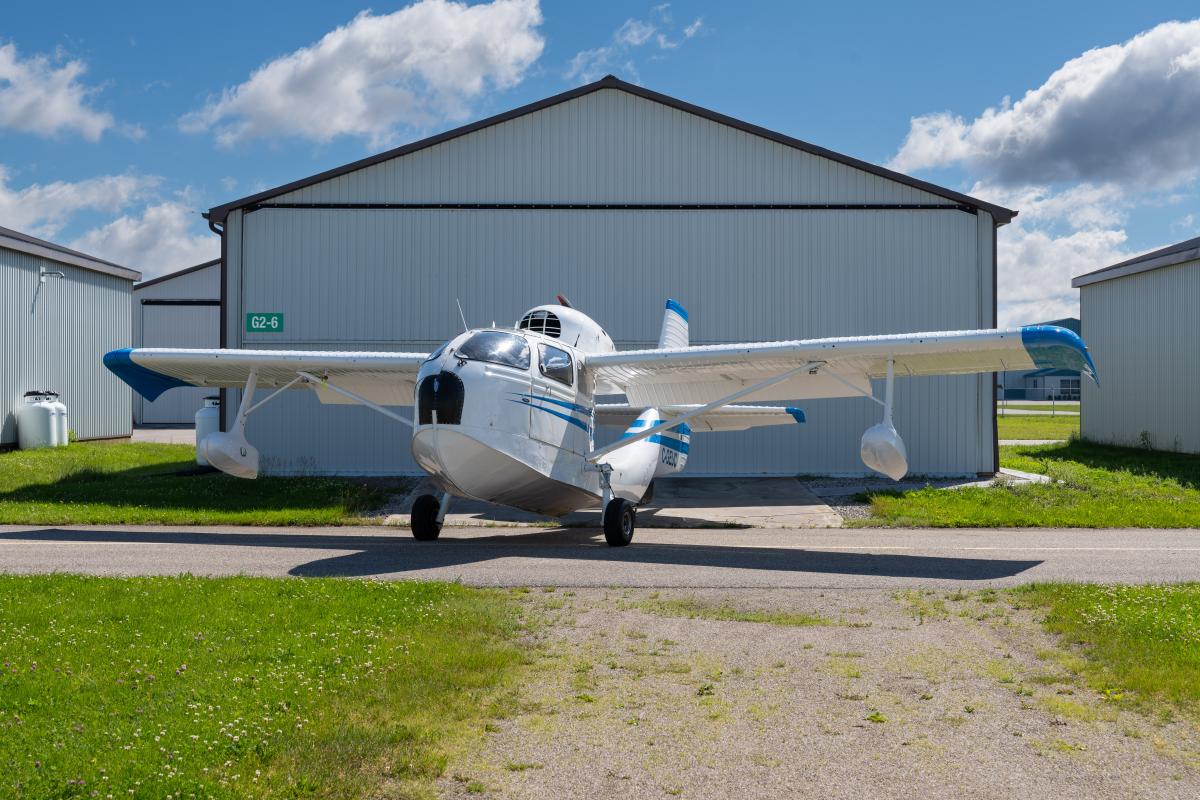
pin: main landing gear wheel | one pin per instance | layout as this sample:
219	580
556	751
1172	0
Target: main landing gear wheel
424	520
619	520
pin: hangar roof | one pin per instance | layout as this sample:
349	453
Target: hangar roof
1156	259
24	243
1001	215
177	274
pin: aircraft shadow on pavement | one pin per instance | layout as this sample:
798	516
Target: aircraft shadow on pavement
387	555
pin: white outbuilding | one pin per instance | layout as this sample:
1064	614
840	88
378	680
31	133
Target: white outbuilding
61	311
180	309
1140	323
617	197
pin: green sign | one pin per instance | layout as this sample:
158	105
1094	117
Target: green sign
264	323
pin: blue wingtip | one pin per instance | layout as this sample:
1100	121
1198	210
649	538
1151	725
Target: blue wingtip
672	305
1058	348
146	382
796	413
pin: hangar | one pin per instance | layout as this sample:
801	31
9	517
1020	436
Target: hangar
61	311
1139	318
617	197
180	309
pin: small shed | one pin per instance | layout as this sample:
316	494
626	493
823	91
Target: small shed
61	311
180	309
1140	322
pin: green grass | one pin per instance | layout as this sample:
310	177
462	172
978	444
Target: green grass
1138	643
139	483
1022	426
1092	486
691	608
242	687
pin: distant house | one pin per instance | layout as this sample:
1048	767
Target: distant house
1041	384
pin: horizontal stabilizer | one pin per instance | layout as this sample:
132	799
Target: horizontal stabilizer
725	418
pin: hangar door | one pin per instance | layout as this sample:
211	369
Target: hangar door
178	325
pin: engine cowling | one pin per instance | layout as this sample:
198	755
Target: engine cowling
230	453
883	450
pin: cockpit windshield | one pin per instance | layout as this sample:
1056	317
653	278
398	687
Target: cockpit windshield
436	354
496	347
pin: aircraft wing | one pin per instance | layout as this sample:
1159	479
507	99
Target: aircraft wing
726	418
839	367
384	378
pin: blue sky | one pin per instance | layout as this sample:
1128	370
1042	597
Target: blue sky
120	123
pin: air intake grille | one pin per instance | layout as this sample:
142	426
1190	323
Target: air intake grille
544	322
442	393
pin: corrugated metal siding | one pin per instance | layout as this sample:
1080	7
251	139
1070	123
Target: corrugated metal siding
55	335
193	327
610	147
388	279
1144	335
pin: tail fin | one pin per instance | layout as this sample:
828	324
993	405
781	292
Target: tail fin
674	327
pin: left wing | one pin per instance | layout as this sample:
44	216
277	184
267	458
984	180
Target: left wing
838	367
385	378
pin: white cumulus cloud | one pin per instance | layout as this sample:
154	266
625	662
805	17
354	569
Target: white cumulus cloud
617	55
1128	113
377	75
44	96
165	237
42	209
1057	236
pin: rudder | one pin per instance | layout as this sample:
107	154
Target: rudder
674	326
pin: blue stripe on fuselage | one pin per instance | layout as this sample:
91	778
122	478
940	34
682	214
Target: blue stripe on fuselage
576	422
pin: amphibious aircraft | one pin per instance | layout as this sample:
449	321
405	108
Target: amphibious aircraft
509	415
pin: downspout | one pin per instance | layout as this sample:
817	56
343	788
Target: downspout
220	231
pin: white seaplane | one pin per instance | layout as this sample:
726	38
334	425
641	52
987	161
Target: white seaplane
508	415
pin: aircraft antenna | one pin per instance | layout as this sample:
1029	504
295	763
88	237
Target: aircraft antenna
462	316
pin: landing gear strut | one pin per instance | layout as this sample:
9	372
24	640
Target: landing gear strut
620	517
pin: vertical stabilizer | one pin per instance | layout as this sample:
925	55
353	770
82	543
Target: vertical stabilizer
674	327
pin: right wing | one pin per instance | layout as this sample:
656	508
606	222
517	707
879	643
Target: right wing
839	367
388	379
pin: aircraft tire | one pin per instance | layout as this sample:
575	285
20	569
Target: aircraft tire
423	522
620	518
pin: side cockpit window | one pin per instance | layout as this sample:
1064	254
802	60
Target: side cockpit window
496	347
556	364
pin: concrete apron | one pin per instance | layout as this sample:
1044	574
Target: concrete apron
677	503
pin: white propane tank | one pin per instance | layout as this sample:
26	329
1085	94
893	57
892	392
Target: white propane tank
208	420
58	408
35	422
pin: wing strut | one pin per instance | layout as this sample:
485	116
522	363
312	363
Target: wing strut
811	368
356	398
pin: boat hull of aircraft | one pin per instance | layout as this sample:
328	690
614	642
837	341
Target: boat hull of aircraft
506	468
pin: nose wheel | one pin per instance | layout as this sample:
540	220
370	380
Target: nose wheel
620	517
426	519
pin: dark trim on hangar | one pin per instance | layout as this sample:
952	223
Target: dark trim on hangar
1187	250
995	375
175	274
1000	214
620	206
150	301
24	243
